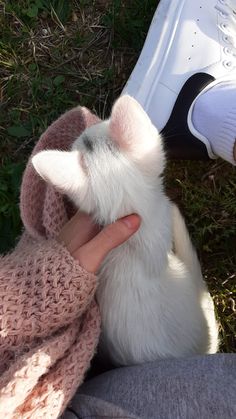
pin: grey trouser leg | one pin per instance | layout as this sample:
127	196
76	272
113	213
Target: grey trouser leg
202	387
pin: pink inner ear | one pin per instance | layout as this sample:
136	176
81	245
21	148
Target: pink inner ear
129	125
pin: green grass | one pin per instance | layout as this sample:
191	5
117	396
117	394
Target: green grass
55	55
206	194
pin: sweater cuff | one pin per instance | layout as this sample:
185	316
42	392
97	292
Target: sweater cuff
43	289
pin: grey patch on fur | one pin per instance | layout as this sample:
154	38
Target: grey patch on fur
88	143
112	147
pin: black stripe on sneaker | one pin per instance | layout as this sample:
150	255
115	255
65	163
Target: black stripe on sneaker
179	142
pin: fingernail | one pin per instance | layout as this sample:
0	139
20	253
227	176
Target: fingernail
131	221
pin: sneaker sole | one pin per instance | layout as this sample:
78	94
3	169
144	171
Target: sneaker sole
146	76
163	27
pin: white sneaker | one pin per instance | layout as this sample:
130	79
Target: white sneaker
190	45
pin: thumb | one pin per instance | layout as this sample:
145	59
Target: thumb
92	254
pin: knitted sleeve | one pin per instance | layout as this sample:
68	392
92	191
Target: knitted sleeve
42	288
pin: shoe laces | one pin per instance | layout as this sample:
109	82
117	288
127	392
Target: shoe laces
227	11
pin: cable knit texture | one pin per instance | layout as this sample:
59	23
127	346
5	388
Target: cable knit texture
49	320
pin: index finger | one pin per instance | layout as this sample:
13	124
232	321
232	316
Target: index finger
78	231
91	254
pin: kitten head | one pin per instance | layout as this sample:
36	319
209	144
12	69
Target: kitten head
111	166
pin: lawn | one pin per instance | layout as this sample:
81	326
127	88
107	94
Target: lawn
55	55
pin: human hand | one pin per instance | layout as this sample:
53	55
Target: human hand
90	245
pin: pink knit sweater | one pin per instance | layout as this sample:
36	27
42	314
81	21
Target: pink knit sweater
49	320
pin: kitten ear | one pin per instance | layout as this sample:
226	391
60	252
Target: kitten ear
60	168
131	127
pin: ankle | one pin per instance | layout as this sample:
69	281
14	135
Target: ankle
214	117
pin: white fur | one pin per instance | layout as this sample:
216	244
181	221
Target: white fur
153	300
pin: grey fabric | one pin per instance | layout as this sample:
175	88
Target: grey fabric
89	407
69	415
201	387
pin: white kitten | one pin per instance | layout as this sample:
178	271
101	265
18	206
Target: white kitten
153	300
